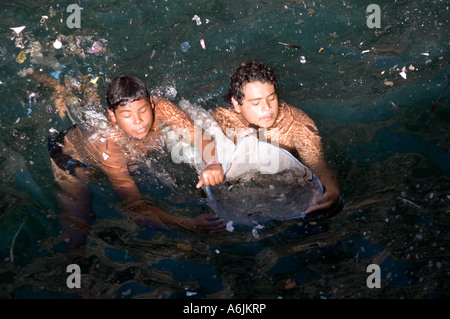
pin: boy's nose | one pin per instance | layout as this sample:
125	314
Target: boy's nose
137	119
265	105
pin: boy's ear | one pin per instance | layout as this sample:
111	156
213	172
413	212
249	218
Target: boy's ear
112	116
152	103
236	105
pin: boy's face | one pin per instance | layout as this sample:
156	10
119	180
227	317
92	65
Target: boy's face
259	105
135	118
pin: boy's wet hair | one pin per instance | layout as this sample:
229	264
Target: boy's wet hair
124	90
253	71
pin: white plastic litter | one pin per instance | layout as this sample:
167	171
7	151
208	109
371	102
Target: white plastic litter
255	231
197	20
230	227
57	44
18	30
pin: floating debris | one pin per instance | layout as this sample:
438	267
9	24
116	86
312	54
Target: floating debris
32	96
229	226
197	20
365	51
202	43
18	30
288	285
409	202
94	80
96	48
255	231
302	59
389	83
57	44
126	292
395	106
183	246
21	57
288	45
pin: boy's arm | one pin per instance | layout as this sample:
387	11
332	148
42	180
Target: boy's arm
126	190
177	119
309	146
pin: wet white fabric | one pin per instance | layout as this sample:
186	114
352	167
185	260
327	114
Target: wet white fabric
262	181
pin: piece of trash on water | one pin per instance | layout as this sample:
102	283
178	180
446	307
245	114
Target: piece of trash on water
288	285
320	50
202	43
33	96
184	246
288	45
229	226
21	57
425	53
185	46
17	121
53	130
389	83
197	20
255	230
190	293
18	30
217	251
57	44
55	74
43	18
95	48
403	73
126	292
365	51
94	80
302	59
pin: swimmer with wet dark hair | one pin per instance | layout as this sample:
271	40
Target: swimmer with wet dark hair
131	128
255	107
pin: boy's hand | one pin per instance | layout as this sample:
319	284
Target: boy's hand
326	202
206	223
211	175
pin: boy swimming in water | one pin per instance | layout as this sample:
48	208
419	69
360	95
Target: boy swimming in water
132	129
255	106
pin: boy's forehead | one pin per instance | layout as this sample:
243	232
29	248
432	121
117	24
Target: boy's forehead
258	88
137	103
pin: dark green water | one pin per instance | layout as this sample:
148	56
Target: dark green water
390	152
